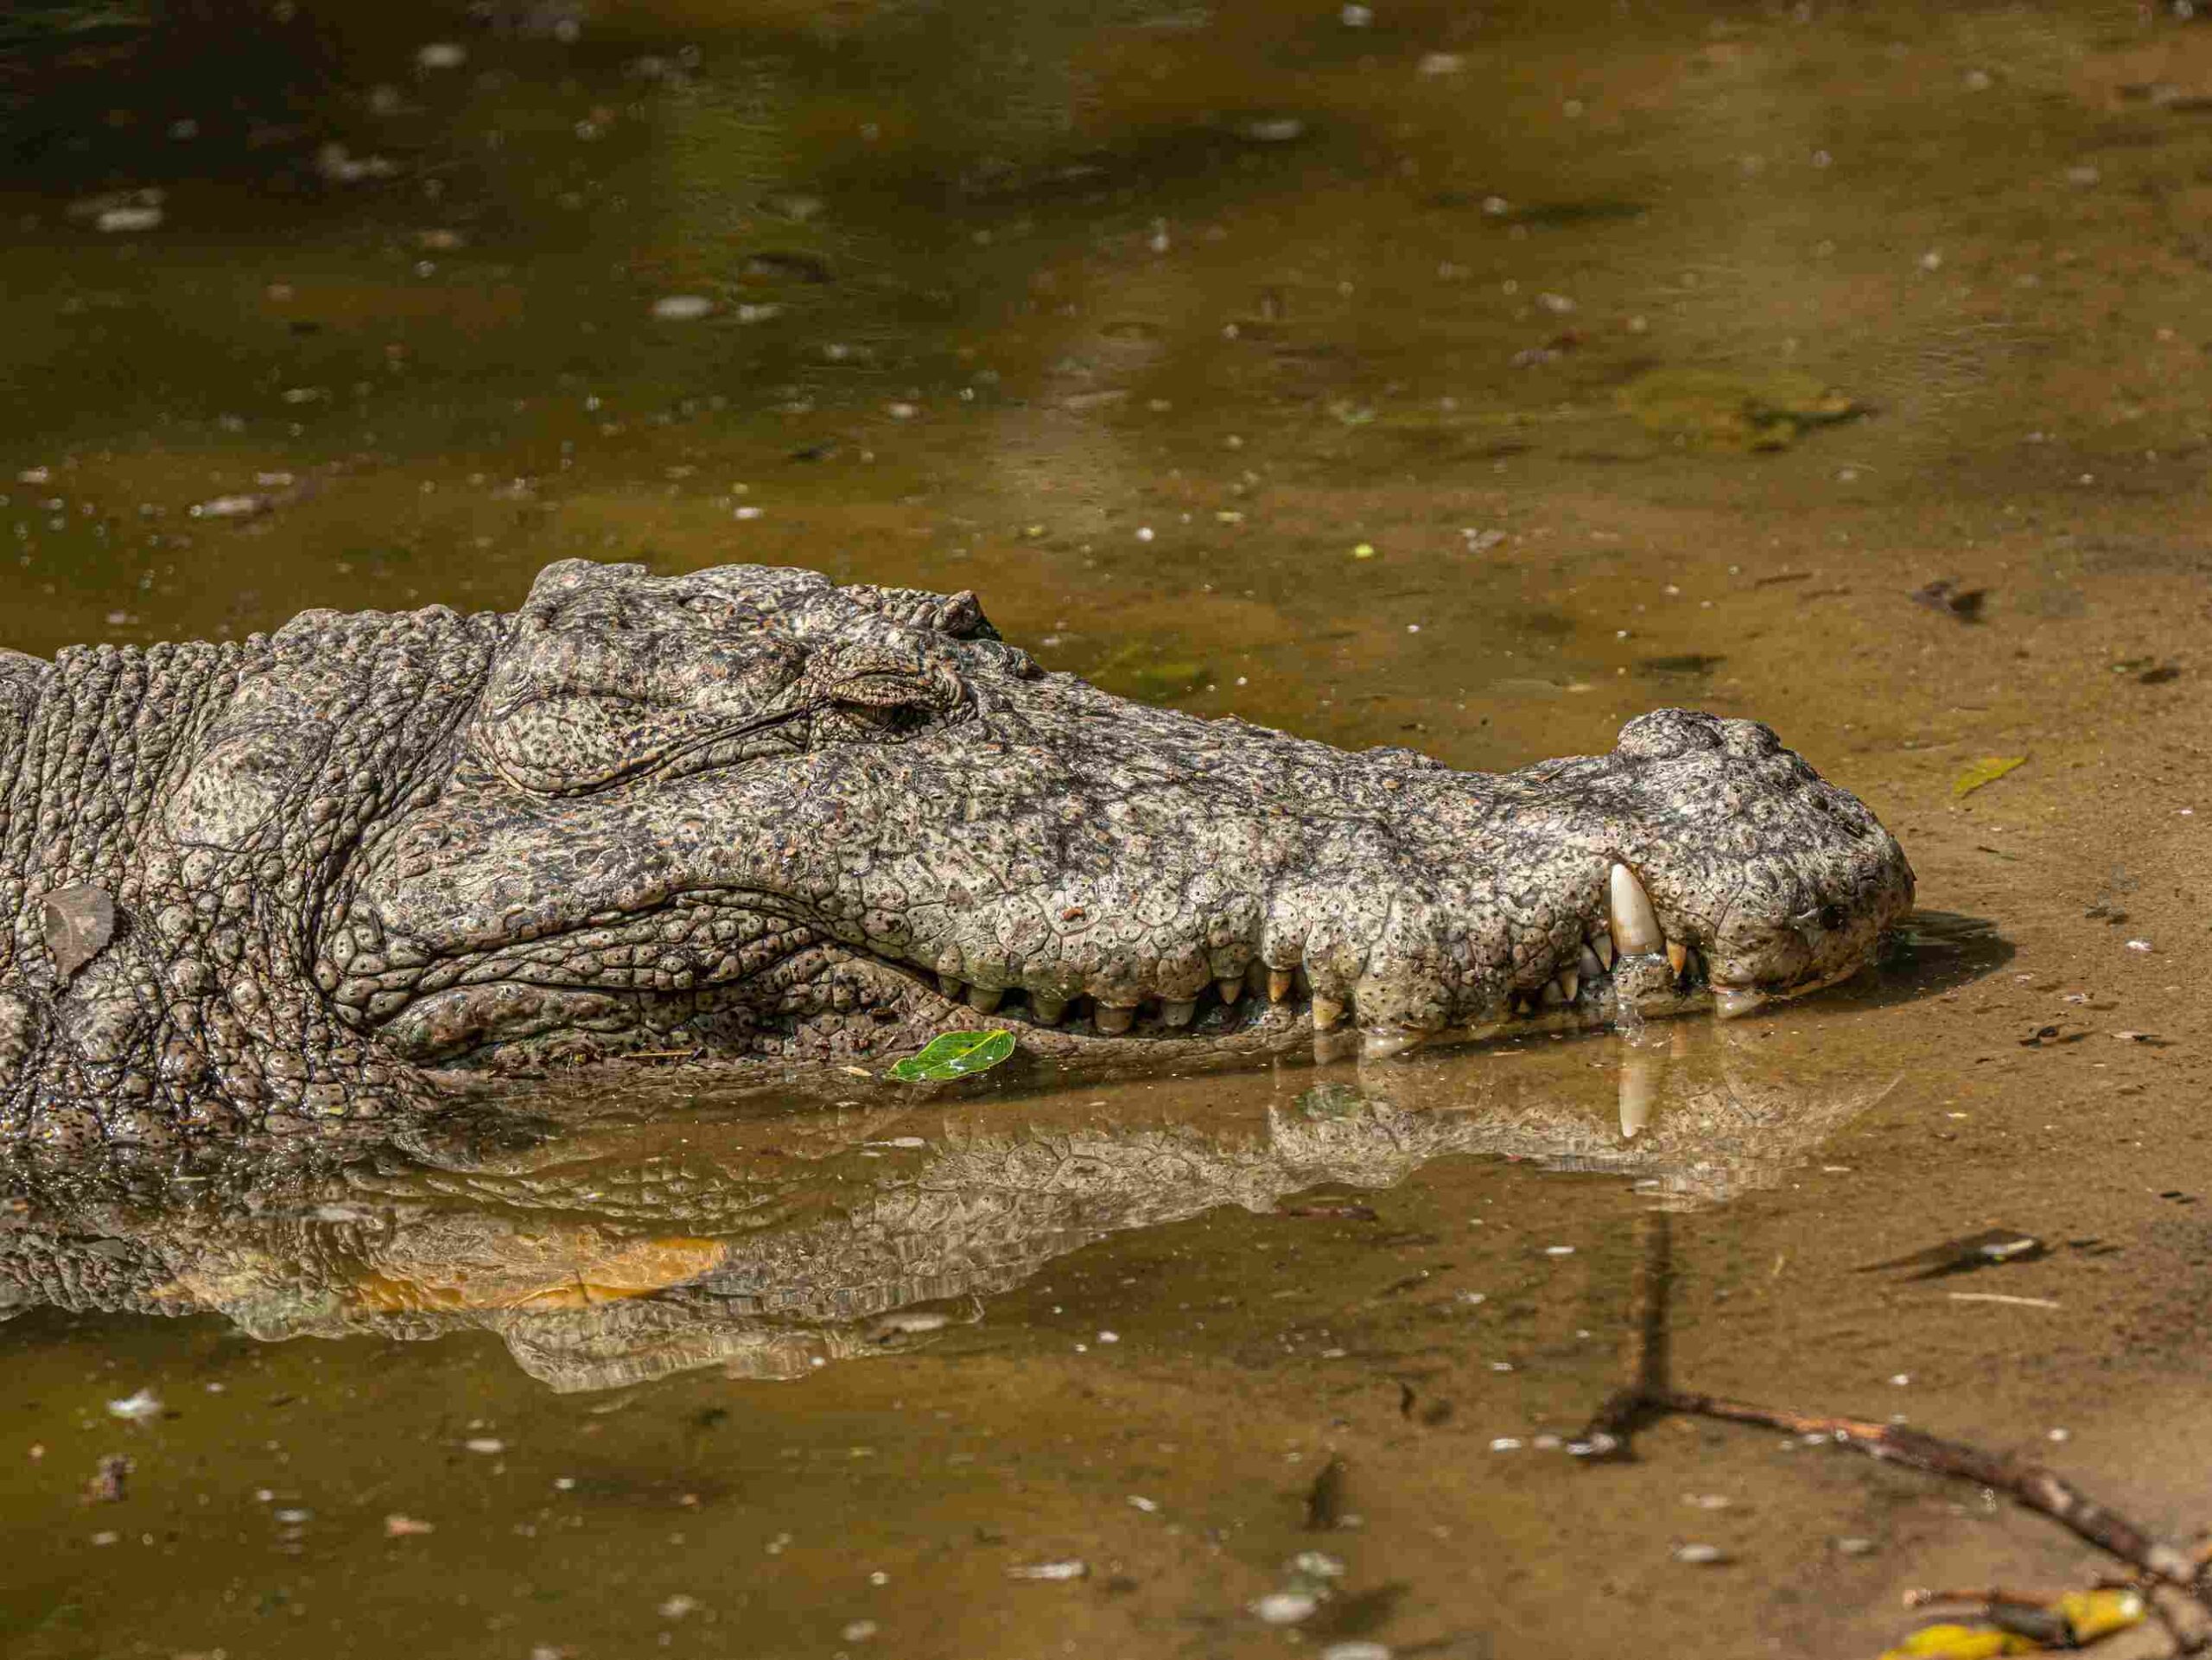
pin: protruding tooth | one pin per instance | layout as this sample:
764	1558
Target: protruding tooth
985	1000
1047	1011
1175	1012
1587	965
1113	1020
1730	1004
1280	981
1678	955
1639	1088
1327	1011
950	985
1553	995
1602	943
1521	1005
1635	924
1570	982
1230	988
1380	1045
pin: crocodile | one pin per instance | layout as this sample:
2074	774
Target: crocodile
350	867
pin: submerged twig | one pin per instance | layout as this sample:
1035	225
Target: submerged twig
1648	1394
2033	1486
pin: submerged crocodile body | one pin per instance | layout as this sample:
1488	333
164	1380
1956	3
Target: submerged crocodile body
334	871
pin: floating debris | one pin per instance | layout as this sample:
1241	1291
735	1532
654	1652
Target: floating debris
1719	410
1070	1569
442	54
1987	1249
1946	596
1285	1607
1273	129
954	1054
1700	1555
244	506
109	1480
397	1526
136	1408
682	308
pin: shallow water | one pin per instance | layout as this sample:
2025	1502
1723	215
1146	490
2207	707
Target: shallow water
1472	380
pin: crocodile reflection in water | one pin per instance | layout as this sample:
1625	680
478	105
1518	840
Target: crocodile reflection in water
772	1244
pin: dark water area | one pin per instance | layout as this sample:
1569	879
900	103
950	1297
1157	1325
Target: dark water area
1468	379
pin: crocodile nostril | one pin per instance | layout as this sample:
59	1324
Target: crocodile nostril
1833	917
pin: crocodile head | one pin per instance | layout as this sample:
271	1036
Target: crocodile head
747	811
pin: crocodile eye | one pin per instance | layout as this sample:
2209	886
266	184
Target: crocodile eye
1833	917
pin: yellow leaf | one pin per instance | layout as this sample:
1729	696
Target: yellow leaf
1987	770
2093	1614
1946	1642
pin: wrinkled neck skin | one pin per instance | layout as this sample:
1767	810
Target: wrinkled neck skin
746	816
178	821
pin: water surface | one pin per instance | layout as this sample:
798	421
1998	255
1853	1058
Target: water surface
1468	379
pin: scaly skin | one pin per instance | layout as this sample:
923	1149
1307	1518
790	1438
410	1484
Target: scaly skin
747	814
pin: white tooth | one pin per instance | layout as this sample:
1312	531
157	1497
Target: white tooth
1587	965
1176	1013
1047	1011
1635	924
1521	1005
1113	1020
1730	1004
1380	1045
1570	982
1602	945
1639	1088
985	1000
1327	1011
1677	954
1230	988
1553	995
1279	982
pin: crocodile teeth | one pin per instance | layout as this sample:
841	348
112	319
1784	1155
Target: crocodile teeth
1587	965
1639	1086
1730	1004
1678	955
1635	924
1280	981
1230	988
1327	1011
950	985
1176	1013
1380	1045
1552	994
985	1000
1569	982
1601	944
1047	1011
1113	1020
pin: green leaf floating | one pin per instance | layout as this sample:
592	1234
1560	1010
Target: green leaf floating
954	1054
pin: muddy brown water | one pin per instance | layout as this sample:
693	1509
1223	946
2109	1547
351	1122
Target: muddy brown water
1469	378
